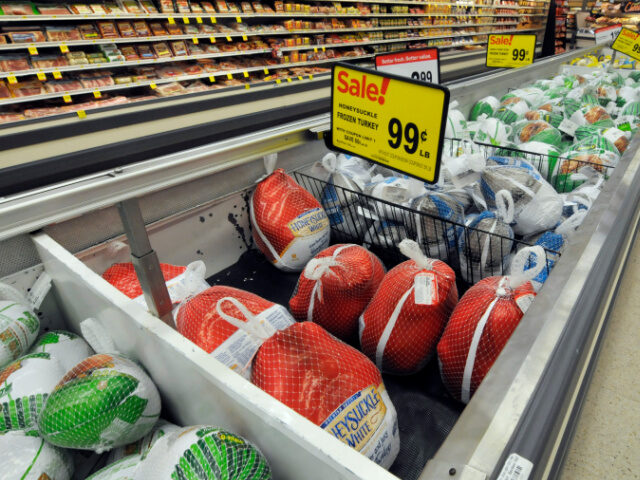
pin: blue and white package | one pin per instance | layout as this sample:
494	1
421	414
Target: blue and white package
553	244
441	214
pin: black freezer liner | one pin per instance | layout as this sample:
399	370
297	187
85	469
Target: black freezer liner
426	413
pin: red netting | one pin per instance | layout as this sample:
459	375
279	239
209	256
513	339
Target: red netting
478	330
289	224
401	326
335	288
123	277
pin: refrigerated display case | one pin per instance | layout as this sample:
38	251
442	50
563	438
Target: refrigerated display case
194	205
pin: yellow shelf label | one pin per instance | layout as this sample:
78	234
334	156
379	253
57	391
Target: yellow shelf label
198	19
172	20
32	50
185	20
82	114
324	49
195	40
244	37
381	117
300	77
212	39
64	48
289	79
213	20
315	49
41	76
266	71
278	80
97	94
229	76
246	85
239	19
246	74
153	86
310	77
628	42
57	75
67	98
12	79
212	78
228	38
510	51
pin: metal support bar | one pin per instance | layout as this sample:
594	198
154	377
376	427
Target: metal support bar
145	261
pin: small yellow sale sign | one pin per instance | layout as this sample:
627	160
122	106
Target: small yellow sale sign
391	120
510	51
628	42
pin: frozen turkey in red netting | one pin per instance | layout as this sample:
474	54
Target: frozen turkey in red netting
289	224
123	277
231	324
482	323
335	288
333	385
401	326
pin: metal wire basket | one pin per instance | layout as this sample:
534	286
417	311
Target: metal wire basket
381	225
557	170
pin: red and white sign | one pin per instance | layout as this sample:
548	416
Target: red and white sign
607	34
421	65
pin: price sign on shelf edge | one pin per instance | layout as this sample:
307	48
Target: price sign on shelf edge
510	51
628	42
391	120
607	34
422	64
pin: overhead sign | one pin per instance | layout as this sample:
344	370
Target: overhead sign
394	121
607	34
628	42
510	51
423	64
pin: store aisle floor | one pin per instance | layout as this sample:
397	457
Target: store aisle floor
606	444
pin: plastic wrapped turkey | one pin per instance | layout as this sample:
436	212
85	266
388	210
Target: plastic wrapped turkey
482	323
333	385
335	287
289	224
401	326
231	324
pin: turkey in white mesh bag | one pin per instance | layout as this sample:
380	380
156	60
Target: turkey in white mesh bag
289	224
482	322
230	324
335	288
401	326
333	385
537	206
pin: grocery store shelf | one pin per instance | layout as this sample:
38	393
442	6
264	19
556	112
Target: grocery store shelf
449	4
223	36
132	63
187	18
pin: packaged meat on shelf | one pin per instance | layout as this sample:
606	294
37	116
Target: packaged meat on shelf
348	321
158	49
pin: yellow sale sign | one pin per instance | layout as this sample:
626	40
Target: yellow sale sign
510	51
391	120
628	42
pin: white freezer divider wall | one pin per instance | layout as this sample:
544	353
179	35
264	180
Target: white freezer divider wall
195	387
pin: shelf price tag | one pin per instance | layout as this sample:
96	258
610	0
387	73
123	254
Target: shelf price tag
246	86
300	77
12	79
421	65
185	20
607	34
171	20
41	76
380	116
153	86
510	51
244	37
212	39
266	71
32	50
228	38
97	94
246	74
212	78
67	98
310	77
628	42
278	80
213	20
198	19
82	114
229	76
195	40
64	48
239	19
289	79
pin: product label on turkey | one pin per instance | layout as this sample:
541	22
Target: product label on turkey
237	351
381	117
362	423
421	65
628	42
568	127
524	301
426	289
516	468
177	287
510	51
309	222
